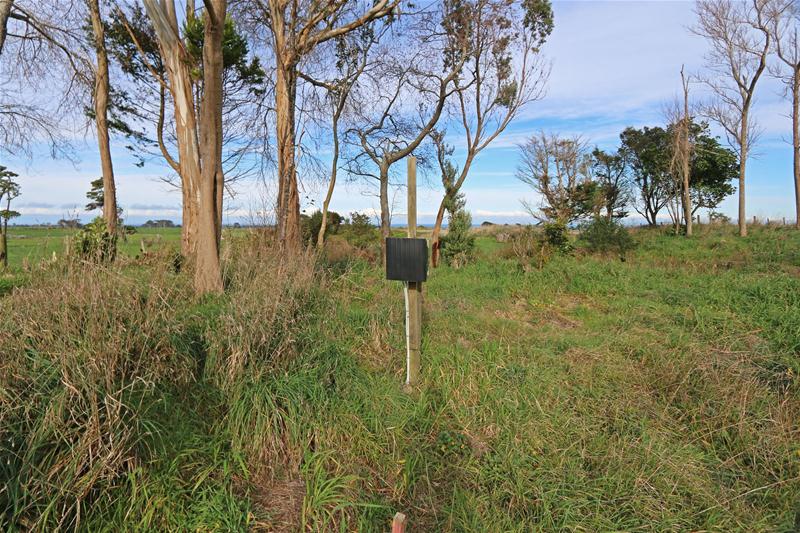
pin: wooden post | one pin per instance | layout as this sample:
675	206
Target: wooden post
399	523
414	289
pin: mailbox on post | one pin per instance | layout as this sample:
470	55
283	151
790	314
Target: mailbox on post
406	259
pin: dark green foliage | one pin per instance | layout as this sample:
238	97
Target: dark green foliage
713	169
311	224
603	235
95	195
234	52
359	231
556	234
95	243
458	245
609	170
647	152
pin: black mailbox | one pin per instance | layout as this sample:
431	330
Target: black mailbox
406	259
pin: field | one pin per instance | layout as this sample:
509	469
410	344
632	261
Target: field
659	393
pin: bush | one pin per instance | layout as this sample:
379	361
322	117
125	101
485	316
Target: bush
602	235
556	235
95	243
458	246
310	225
360	232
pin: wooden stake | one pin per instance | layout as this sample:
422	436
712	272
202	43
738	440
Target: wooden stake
414	289
399	523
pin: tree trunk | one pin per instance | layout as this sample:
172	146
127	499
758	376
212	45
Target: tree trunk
385	216
326	203
162	14
101	96
288	215
4	245
687	197
208	274
796	142
742	169
5	11
437	229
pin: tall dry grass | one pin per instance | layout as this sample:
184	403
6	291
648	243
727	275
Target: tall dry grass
84	350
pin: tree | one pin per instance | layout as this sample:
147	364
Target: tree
296	29
100	98
555	167
740	39
9	190
713	169
411	91
35	49
504	73
609	171
198	127
352	54
682	148
95	195
647	154
785	19
5	14
143	103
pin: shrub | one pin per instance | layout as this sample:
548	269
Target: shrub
458	246
360	232
310	225
603	235
95	243
556	235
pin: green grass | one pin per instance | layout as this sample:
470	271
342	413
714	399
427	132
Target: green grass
656	394
32	244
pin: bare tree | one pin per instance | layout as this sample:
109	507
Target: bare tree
296	29
198	129
5	14
785	19
740	38
681	148
555	167
38	50
505	72
417	78
351	55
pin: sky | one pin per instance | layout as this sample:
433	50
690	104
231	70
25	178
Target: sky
614	64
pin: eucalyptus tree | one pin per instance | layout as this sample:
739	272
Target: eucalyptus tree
198	124
740	39
295	29
504	72
142	107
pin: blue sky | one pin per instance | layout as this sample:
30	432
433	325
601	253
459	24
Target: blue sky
615	64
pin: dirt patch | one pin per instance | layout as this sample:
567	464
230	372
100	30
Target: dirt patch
281	501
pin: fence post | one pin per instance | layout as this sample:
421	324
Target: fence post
414	287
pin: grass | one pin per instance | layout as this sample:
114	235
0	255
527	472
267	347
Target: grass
659	393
